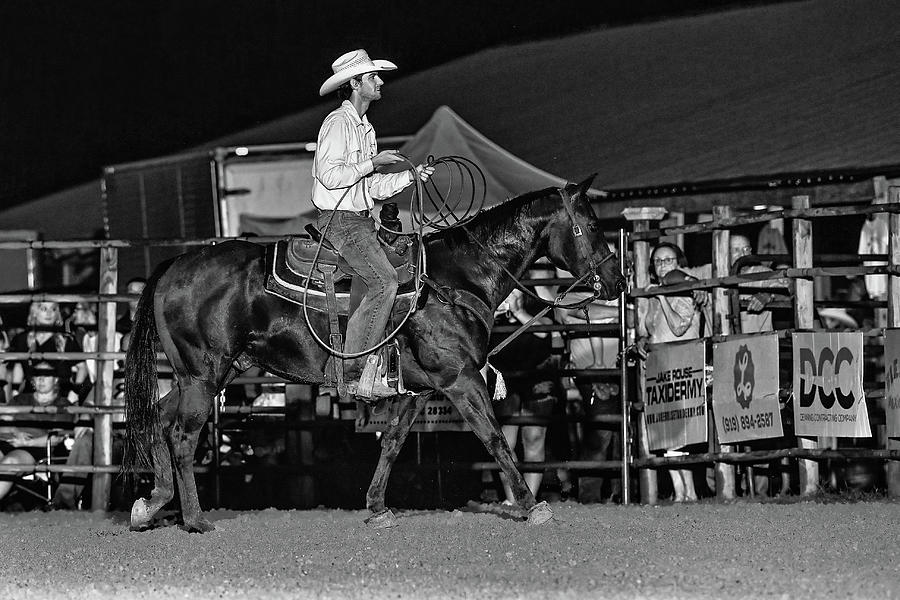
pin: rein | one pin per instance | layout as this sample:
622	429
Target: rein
582	246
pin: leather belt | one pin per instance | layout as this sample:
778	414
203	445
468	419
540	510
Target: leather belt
361	213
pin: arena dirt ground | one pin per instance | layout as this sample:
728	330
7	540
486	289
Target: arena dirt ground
805	549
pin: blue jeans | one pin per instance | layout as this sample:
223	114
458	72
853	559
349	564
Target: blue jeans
355	237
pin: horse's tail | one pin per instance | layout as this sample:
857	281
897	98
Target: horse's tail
141	406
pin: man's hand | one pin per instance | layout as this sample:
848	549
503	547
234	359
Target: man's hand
385	158
701	297
424	172
758	302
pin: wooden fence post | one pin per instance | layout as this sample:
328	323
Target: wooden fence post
804	304
721	267
642	219
103	387
892	468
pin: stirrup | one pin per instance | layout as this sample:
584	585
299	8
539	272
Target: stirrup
367	379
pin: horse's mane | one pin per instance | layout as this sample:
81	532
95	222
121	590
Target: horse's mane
498	221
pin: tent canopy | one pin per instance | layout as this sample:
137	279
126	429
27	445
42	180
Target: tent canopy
445	134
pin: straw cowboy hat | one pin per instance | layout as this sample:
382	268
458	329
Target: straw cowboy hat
351	64
839	317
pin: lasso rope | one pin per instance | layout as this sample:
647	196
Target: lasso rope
445	203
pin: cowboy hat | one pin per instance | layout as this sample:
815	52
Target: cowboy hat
351	64
839	318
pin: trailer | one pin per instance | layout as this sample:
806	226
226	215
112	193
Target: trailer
223	192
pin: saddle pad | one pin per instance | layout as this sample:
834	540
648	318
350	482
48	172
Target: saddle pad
280	267
288	285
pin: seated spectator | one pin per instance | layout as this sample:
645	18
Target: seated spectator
45	334
22	444
670	319
83	325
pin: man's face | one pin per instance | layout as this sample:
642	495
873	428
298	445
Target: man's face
738	246
44	384
370	86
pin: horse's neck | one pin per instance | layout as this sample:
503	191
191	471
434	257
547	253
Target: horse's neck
511	250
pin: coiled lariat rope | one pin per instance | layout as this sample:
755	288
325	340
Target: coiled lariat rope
461	177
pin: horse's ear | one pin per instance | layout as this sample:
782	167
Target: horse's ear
586	184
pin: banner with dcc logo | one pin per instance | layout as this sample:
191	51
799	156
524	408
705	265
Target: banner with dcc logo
828	385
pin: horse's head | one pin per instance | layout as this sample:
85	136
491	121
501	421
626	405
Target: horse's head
576	243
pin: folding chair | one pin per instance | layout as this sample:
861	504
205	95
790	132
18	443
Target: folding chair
29	484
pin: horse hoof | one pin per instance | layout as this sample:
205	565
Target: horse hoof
201	525
382	520
539	514
140	515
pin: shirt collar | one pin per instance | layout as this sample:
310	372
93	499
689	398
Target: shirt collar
351	110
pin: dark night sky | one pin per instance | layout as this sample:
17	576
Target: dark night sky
94	82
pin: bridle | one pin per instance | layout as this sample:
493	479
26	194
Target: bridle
582	248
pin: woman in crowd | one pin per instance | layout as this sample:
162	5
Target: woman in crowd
45	333
22	443
671	319
528	396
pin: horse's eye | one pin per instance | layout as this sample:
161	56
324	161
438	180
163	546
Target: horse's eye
592	226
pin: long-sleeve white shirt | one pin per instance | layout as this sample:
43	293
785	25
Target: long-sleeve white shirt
344	152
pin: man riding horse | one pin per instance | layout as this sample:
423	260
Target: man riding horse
346	181
212	314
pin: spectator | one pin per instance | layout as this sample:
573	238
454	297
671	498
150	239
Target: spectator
135	285
21	444
670	319
590	396
527	397
756	319
4	368
45	334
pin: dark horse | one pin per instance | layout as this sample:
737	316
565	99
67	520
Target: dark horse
213	320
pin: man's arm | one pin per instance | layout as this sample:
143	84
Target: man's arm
334	166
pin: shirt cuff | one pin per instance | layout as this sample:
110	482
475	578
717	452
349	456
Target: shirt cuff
366	167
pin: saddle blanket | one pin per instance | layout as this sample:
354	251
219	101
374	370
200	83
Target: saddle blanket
287	283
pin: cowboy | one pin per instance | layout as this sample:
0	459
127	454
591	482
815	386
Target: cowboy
347	179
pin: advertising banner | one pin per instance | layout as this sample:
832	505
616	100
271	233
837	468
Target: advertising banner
439	414
745	388
675	394
828	385
892	381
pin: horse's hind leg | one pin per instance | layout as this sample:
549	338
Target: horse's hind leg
470	396
196	402
405	413
143	511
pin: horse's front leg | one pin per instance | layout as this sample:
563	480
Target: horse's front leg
470	396
404	415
